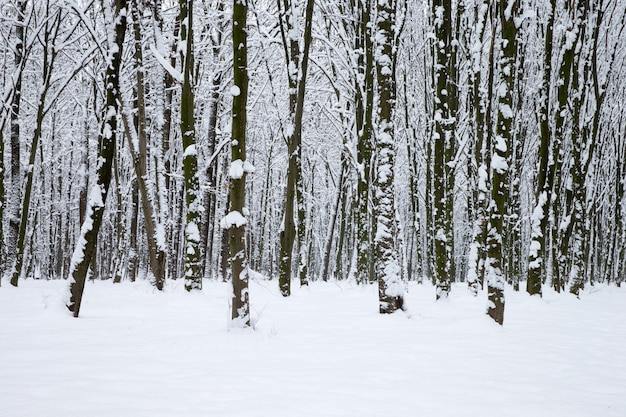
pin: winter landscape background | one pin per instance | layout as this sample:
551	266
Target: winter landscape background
300	207
325	351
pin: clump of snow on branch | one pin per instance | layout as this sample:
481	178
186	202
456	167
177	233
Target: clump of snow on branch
190	151
192	232
234	218
239	167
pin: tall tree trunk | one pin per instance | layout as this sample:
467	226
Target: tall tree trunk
288	232
133	251
414	257
303	258
2	204
16	169
513	225
500	162
211	192
154	236
364	107
333	222
387	267
486	157
224	245
139	148
588	137
452	97
339	270
167	197
478	170
193	197
560	233
538	254
442	137
49	55
267	213
297	65
620	224
235	221
119	256
84	253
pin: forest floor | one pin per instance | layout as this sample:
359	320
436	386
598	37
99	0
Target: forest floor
324	351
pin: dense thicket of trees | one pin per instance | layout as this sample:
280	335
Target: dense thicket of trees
476	141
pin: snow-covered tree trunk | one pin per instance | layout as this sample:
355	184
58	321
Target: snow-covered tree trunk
118	243
138	140
168	191
414	251
2	200
297	64
442	136
14	197
478	169
211	192
333	222
575	195
50	53
288	231
500	162
193	197
537	256
154	231
267	214
450	126
236	220
560	233
386	264
520	132
133	250
364	105
84	253
620	224
486	154
303	246
586	141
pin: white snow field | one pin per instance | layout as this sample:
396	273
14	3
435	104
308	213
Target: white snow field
324	351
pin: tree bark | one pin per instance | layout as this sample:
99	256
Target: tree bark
297	65
236	220
49	56
442	137
364	108
500	163
387	267
16	169
539	222
193	197
154	231
84	253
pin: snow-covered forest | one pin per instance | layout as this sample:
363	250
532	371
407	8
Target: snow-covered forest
470	141
187	171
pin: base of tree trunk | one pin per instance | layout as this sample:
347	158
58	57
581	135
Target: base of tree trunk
390	305
496	305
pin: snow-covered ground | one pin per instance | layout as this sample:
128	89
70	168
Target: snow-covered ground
325	351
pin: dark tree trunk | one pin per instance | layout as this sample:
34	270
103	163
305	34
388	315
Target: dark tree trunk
193	198
84	253
387	267
235	221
